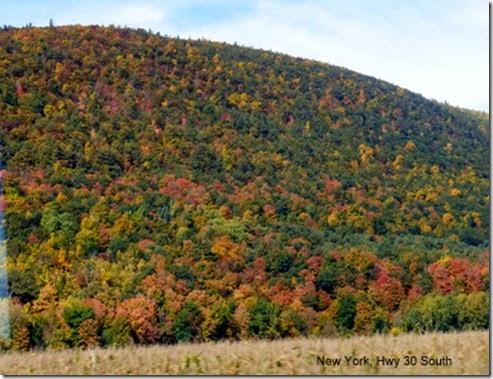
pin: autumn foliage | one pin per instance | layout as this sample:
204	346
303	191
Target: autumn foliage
160	190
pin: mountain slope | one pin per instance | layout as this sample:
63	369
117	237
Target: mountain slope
226	191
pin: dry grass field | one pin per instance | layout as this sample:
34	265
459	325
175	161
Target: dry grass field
458	353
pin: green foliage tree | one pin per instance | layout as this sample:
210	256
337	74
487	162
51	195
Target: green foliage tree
116	331
473	310
345	314
23	285
76	314
445	313
187	323
264	319
220	323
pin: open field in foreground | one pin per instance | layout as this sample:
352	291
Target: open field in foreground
457	353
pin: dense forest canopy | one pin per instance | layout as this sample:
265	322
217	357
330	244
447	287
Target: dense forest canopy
161	190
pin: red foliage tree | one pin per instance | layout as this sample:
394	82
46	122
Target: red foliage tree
457	274
140	313
390	290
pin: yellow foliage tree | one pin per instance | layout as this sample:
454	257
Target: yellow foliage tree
224	247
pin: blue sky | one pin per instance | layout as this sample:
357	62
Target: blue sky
438	48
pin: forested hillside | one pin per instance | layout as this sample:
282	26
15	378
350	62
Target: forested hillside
161	190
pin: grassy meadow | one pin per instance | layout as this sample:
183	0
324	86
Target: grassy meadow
464	353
